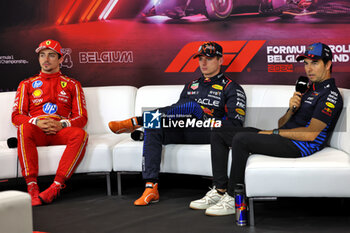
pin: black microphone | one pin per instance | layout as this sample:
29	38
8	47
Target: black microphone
301	86
137	135
12	142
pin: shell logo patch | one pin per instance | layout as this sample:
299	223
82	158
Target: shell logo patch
63	84
240	111
217	87
330	105
48	42
37	93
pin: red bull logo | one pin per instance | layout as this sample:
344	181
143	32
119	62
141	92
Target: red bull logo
208	111
327	111
241	210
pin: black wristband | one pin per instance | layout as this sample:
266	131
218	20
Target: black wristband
276	131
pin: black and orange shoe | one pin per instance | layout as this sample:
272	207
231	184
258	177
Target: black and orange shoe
33	190
51	193
125	126
150	195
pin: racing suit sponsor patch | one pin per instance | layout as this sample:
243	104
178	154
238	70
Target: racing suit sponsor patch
240	95
330	105
194	86
239	117
240	111
63	84
63	100
37	93
192	93
37	101
37	84
208	102
240	104
208	111
327	111
63	94
217	87
50	108
218	93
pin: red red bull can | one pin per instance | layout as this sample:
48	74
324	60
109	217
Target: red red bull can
241	209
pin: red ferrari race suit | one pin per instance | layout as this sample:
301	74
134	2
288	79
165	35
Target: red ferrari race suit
50	96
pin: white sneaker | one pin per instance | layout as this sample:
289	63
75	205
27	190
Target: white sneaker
210	199
225	206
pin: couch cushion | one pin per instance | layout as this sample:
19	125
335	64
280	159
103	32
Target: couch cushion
98	156
176	158
340	138
127	156
151	97
7	128
323	174
8	161
106	104
266	104
8	157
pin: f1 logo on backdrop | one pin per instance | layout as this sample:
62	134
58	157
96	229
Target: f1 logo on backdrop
237	55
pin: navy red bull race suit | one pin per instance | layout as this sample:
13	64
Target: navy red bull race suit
50	96
217	98
322	101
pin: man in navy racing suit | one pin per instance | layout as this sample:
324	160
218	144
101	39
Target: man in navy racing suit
303	130
204	103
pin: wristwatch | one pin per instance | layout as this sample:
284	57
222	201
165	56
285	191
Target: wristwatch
64	124
276	131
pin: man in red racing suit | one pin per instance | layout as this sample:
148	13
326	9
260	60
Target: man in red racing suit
49	109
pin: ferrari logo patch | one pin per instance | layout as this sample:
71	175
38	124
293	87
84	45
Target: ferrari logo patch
63	84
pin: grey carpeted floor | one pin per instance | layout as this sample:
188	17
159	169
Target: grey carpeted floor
84	207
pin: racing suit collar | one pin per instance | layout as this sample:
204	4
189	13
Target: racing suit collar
318	86
219	75
54	75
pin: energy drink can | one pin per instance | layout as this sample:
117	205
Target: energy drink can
241	209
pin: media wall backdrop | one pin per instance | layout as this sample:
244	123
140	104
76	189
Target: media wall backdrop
139	42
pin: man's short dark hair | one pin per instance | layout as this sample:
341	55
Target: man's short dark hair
325	61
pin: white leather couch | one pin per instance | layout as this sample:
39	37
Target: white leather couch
324	174
103	104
